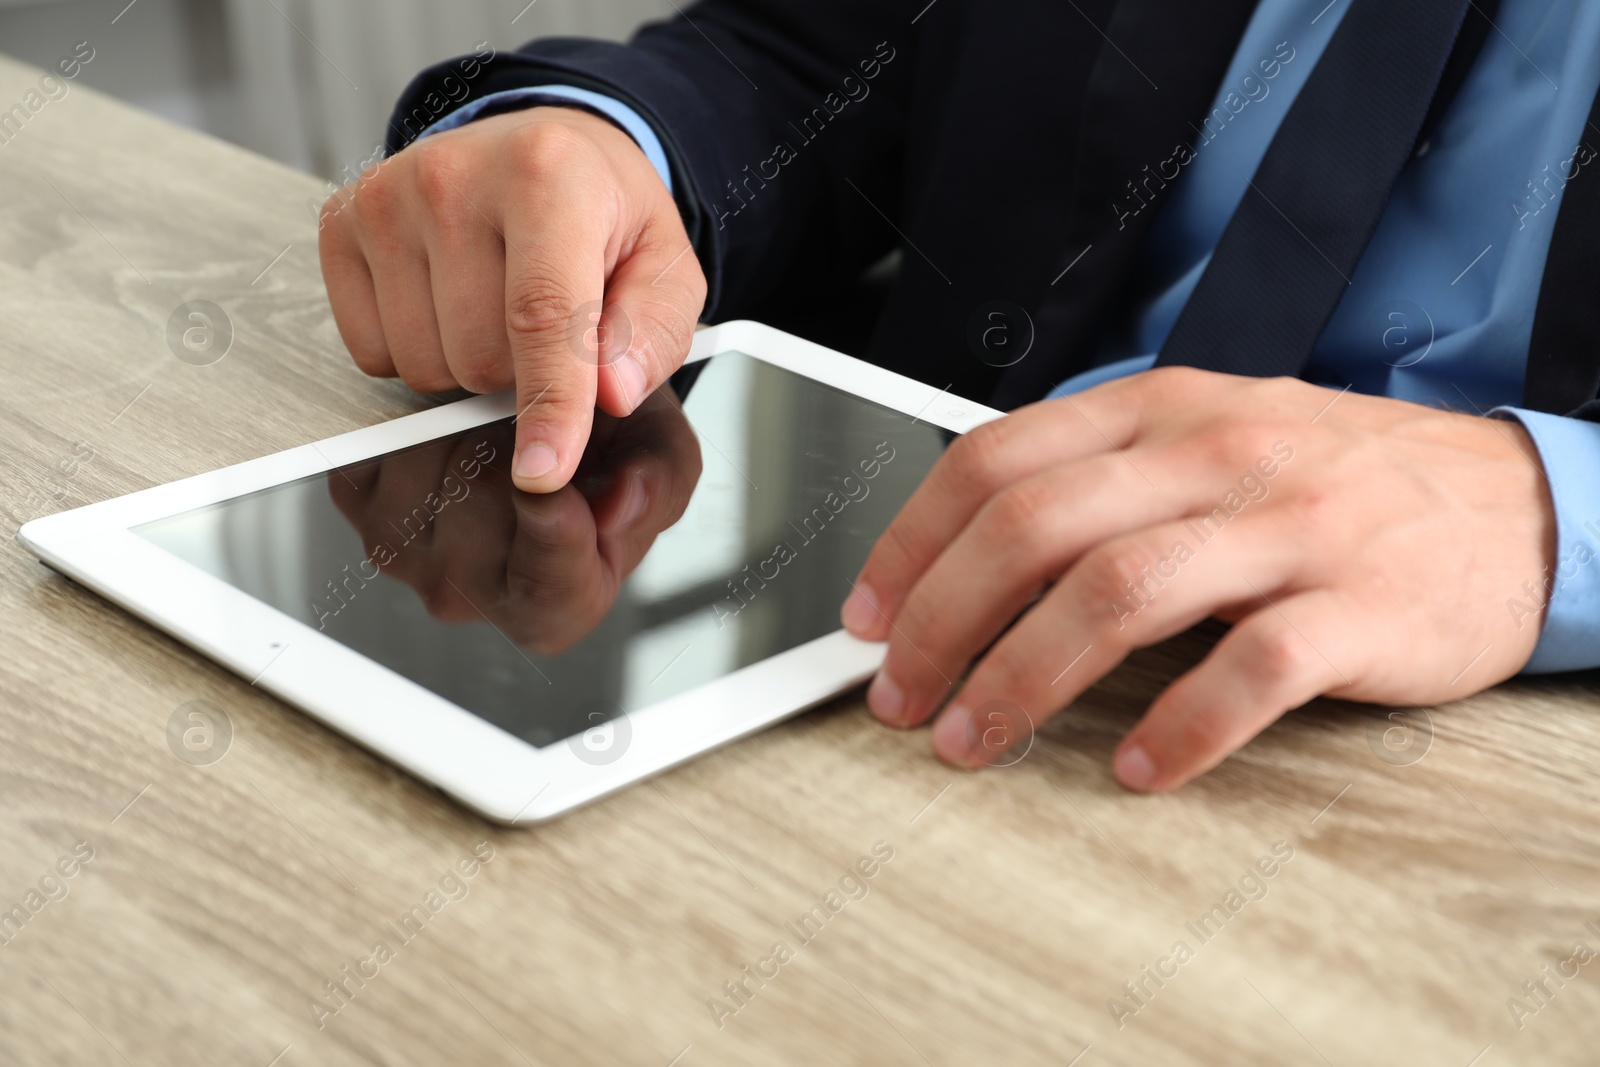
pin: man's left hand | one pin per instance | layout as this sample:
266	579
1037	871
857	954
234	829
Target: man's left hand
1364	548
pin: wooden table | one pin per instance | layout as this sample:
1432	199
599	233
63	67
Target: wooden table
1421	892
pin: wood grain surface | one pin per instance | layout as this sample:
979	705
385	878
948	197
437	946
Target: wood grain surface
209	905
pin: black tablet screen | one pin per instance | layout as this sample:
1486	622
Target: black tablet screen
718	525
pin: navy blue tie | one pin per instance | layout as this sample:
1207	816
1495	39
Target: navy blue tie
1287	256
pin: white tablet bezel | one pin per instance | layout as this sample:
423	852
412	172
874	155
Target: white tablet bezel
495	773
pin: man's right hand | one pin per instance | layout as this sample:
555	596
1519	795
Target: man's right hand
481	258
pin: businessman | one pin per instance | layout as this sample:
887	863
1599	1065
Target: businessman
1292	303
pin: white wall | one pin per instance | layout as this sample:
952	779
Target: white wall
307	82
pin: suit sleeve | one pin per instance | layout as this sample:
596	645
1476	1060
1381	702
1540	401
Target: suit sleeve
784	125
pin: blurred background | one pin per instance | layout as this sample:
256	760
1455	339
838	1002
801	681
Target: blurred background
307	82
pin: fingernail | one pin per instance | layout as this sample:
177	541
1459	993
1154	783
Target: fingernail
954	739
535	460
858	613
886	700
1134	768
631	379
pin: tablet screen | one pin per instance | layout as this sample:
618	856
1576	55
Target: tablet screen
718	525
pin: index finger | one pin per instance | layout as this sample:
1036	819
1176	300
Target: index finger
976	466
555	271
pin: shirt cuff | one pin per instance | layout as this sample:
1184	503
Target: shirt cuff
1079	383
563	96
1570	450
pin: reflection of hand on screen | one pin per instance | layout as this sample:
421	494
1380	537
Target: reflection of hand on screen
544	569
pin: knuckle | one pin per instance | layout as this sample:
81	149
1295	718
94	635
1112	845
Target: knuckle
332	208
976	458
1021	512
1172	381
1003	671
1316	519
429	379
550	399
1236	443
483	372
547	149
372	360
919	631
1278	653
540	307
1185	377
1019	521
663	338
1110	572
1198	734
898	546
374	201
439	176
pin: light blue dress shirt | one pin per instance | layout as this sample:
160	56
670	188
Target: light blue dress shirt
1440	310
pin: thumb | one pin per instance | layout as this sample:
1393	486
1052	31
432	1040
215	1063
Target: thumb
652	303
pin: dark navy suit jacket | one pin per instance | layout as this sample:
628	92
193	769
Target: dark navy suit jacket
995	142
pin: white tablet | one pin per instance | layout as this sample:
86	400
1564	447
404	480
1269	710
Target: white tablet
525	653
